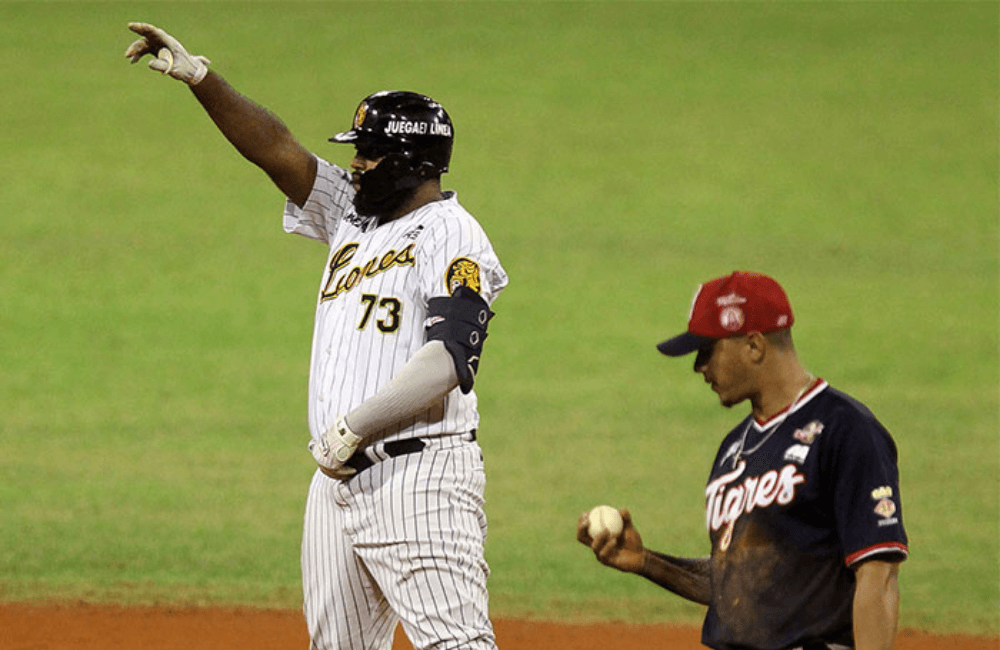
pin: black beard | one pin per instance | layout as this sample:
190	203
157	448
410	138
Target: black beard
382	191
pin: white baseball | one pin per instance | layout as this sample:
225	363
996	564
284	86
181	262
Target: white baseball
604	518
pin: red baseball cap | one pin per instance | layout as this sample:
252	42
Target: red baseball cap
736	304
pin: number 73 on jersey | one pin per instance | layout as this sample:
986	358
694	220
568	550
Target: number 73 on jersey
385	311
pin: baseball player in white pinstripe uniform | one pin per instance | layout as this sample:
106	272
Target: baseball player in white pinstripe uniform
394	524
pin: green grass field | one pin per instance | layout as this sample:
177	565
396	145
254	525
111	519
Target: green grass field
154	333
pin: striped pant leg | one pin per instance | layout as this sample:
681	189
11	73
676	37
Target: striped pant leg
425	545
343	605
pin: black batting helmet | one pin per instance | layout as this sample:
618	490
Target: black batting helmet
396	121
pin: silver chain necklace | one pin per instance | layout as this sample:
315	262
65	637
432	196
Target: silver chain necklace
746	430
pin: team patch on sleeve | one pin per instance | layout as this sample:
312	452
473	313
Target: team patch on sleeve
462	272
885	507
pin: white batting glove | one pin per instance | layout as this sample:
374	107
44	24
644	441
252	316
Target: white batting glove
333	449
171	57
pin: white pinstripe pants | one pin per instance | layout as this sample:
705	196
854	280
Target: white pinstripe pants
401	542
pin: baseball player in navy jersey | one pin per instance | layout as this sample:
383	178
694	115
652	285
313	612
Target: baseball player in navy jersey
802	502
394	524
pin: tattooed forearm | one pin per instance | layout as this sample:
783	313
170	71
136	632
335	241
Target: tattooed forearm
689	578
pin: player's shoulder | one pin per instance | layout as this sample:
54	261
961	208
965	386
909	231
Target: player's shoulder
451	242
329	171
839	402
332	186
447	221
448	209
849	419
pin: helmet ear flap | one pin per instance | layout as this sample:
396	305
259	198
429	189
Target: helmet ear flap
405	163
427	169
398	163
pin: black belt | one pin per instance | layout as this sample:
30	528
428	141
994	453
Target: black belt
360	460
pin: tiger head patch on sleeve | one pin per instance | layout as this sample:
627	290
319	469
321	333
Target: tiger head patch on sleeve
462	272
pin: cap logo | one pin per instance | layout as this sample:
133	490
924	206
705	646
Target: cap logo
732	299
783	320
731	319
359	117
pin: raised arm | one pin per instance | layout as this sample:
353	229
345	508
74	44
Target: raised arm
259	135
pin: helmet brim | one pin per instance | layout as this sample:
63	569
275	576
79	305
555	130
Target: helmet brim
346	136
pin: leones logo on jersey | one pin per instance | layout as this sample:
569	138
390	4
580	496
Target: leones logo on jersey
340	279
462	272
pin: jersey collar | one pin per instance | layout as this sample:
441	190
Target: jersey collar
815	389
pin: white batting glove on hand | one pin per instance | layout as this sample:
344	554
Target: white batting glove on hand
333	449
171	57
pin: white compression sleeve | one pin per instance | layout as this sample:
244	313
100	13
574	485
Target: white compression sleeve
426	377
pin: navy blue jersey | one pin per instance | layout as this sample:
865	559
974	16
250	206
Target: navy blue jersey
791	505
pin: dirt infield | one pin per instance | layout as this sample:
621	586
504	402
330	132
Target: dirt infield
80	626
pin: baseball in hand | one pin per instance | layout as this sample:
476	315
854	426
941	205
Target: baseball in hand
604	518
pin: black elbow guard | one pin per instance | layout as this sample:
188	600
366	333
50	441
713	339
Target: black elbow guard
460	322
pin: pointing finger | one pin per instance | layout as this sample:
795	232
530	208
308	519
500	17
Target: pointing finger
143	29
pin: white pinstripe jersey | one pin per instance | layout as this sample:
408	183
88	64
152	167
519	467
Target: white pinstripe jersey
372	302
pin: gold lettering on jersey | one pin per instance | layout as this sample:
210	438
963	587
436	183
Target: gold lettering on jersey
342	279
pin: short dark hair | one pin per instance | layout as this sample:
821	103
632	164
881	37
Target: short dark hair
781	339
